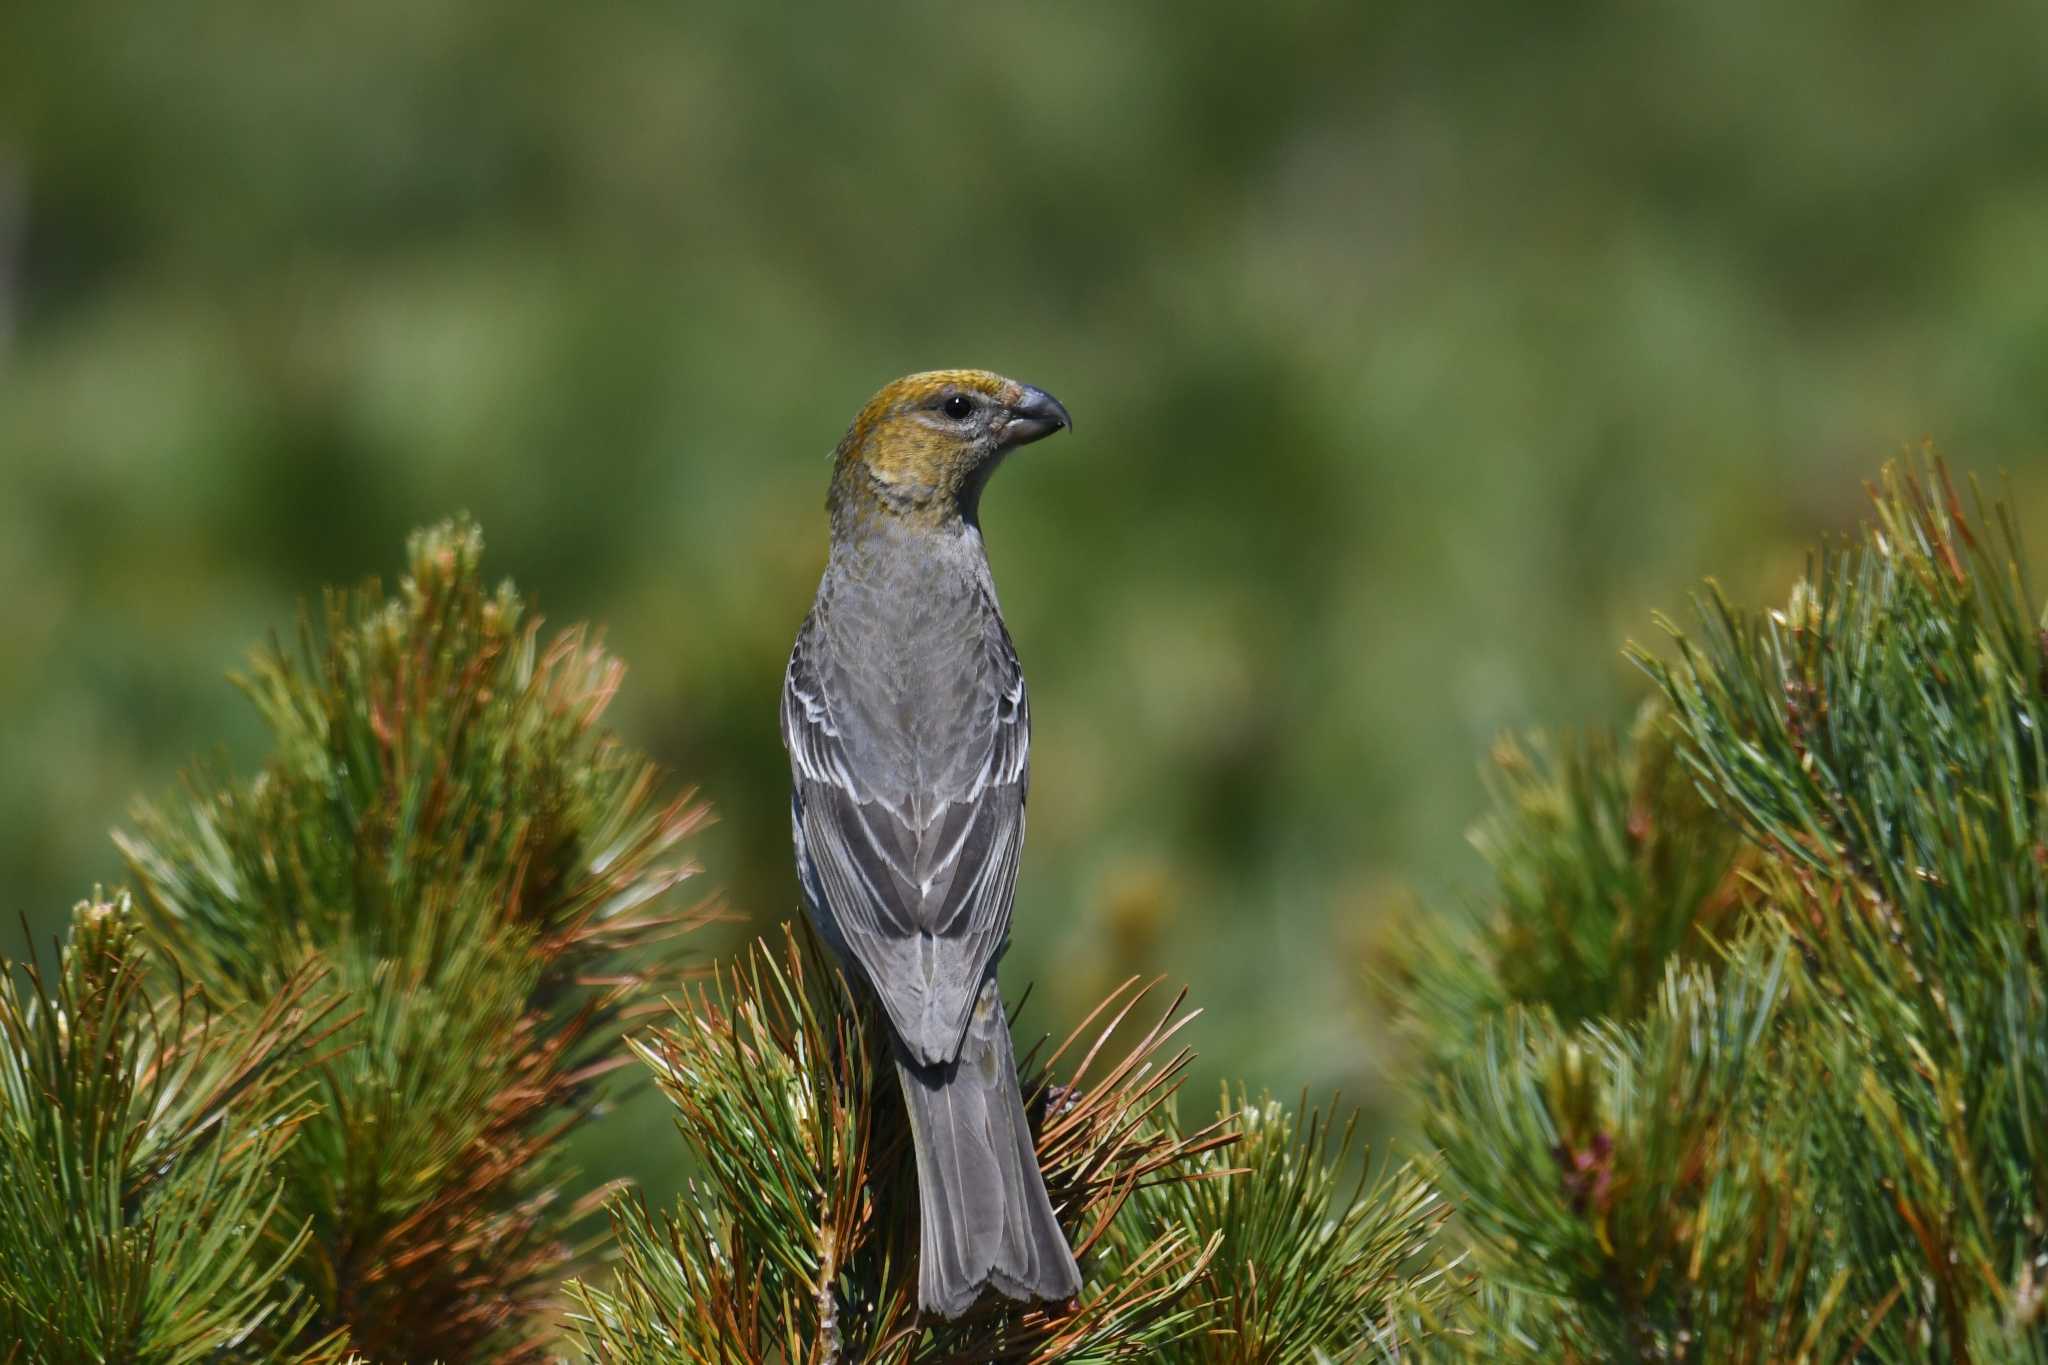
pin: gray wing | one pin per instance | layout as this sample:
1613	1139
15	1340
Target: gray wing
911	877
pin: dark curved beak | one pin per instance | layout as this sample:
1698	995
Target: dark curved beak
1035	414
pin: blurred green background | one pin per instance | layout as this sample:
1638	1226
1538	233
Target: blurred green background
1418	352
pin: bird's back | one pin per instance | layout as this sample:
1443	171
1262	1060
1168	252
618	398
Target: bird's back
908	732
917	649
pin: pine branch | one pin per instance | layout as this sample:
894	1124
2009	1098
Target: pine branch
1632	1191
1608	867
799	1240
484	873
142	1211
1881	739
1864	1175
1303	1269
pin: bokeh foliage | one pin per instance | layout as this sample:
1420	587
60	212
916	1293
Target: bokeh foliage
1418	352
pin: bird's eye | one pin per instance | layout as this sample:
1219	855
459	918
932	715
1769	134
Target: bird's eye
958	406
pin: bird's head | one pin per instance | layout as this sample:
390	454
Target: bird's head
923	447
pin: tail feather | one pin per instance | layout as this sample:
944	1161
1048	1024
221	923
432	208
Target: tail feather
985	1217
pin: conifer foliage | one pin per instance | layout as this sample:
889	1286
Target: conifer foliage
415	942
1822	1136
1226	1242
142	1210
481	873
1882	740
1744	1062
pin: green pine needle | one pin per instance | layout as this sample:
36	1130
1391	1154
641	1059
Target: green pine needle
142	1211
484	875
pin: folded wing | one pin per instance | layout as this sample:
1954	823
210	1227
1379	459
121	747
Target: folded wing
910	865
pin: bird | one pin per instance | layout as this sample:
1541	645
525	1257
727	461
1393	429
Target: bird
909	731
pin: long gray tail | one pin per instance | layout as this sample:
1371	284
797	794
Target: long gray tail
986	1219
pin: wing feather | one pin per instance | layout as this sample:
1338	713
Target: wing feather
913	884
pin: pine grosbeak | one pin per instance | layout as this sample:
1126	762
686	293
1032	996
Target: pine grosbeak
908	734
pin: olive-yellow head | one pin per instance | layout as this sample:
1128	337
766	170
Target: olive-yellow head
924	446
